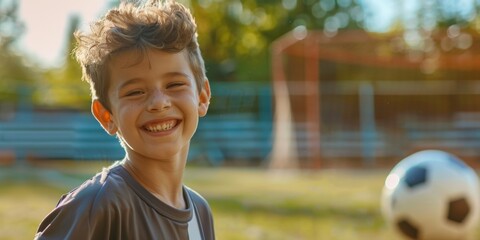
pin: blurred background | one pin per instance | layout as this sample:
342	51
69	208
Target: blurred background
313	102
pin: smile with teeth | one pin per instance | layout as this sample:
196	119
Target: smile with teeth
161	126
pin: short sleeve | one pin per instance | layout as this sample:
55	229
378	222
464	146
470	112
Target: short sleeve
76	217
204	214
65	222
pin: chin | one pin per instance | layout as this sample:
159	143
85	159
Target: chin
170	154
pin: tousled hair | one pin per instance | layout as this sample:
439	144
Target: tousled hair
155	24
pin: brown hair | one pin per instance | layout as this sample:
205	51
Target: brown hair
162	25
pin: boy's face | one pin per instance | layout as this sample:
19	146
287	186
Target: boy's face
155	104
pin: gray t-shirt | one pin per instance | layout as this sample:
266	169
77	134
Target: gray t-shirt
113	205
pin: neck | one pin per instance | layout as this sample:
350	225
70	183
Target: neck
161	178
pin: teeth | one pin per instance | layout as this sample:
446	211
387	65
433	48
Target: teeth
164	126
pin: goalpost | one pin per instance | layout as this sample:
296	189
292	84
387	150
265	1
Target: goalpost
289	147
369	88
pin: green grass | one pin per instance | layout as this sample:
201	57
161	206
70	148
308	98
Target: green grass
22	206
254	204
246	203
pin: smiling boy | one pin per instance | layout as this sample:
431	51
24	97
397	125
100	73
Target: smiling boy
149	88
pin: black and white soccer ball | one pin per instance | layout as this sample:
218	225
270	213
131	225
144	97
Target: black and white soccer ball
432	195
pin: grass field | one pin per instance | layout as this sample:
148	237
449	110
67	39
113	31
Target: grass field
246	203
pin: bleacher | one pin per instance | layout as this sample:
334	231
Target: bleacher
78	136
460	137
232	137
237	128
58	135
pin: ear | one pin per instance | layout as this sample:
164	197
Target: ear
204	99
104	117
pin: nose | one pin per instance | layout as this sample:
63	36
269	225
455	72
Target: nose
158	101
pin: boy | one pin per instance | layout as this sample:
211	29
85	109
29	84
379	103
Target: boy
149	88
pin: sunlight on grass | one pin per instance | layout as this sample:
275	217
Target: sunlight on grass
255	204
22	206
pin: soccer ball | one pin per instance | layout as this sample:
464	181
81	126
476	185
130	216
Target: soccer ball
432	195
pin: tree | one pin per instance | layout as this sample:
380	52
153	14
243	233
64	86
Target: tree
11	28
16	74
235	35
428	29
419	21
62	87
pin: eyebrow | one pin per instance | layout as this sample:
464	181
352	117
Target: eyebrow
174	74
128	82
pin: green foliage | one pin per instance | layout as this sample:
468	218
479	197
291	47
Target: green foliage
235	36
428	29
10	27
15	72
426	17
62	87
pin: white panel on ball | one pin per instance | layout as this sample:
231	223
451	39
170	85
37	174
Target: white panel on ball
432	195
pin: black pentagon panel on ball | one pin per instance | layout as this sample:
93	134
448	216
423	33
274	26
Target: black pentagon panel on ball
458	210
408	229
415	176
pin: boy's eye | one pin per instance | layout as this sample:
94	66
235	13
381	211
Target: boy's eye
175	84
134	93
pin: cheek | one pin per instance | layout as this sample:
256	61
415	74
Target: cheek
189	106
186	100
126	114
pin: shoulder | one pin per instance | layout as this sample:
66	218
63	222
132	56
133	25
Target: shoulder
105	186
205	217
84	209
197	199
